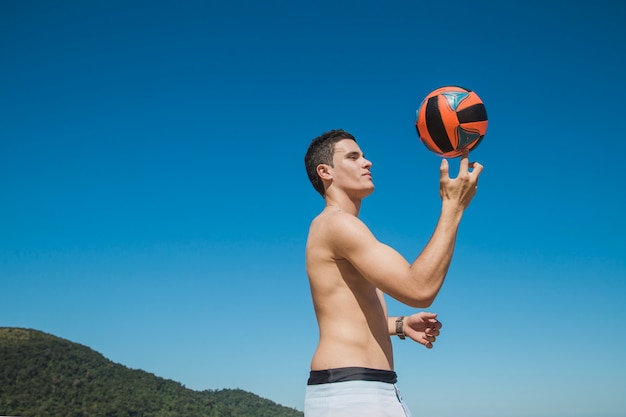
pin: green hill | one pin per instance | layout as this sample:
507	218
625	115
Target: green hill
42	375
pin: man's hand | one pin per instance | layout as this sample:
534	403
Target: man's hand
459	190
423	328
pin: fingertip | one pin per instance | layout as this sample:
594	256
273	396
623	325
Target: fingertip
476	166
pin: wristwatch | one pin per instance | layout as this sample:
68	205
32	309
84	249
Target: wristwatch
400	328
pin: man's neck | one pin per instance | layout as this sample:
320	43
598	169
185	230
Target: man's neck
344	205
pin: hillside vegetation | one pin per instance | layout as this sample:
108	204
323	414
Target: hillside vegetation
43	375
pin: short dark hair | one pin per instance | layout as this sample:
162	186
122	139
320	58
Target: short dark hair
321	151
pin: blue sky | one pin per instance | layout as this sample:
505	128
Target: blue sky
154	204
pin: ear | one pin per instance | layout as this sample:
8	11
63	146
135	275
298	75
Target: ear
325	171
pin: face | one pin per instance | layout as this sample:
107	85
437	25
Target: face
351	171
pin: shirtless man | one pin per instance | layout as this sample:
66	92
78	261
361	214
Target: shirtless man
349	270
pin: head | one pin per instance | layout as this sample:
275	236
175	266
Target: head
321	155
321	151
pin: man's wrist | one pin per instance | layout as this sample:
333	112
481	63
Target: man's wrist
451	211
400	328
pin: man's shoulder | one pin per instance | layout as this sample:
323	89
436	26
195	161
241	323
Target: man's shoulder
338	231
336	222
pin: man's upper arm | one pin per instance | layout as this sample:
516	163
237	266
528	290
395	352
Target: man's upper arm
380	264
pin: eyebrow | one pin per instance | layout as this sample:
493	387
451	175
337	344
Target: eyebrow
353	153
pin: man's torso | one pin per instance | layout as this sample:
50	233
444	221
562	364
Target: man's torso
351	312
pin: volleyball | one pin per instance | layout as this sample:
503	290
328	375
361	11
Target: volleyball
450	120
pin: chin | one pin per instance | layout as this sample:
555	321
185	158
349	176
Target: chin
367	192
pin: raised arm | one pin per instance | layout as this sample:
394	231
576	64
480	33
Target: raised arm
415	284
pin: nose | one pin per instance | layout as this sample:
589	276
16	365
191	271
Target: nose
367	163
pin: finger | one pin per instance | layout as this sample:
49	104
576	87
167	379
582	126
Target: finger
431	318
444	170
464	167
432	332
477	168
428	316
430	337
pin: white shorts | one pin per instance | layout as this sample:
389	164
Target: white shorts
354	399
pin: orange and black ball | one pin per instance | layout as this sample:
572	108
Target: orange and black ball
450	120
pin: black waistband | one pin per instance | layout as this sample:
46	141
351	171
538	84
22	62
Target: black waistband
351	374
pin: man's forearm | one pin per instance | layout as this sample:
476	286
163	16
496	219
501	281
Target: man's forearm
430	268
393	326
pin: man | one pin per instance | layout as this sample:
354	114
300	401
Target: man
352	371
